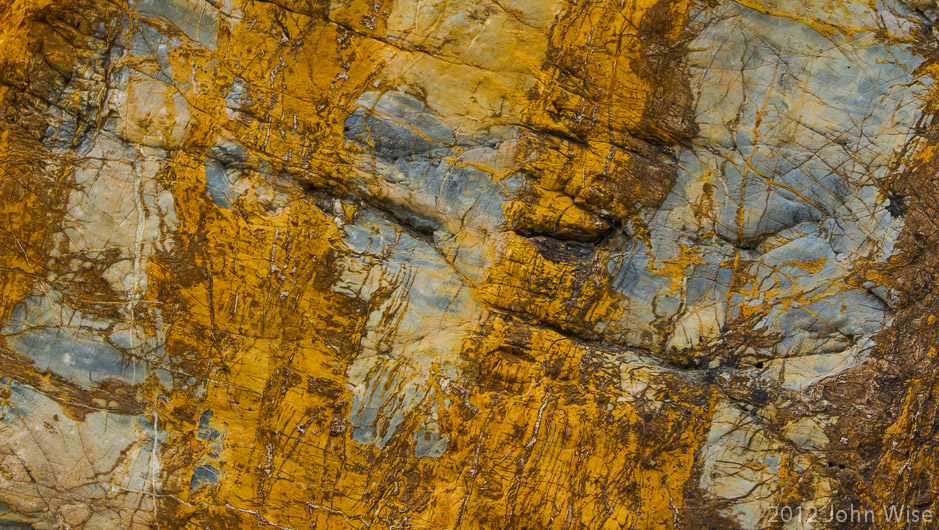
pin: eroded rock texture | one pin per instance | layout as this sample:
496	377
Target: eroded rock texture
426	264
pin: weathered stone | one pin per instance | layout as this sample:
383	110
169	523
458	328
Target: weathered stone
439	264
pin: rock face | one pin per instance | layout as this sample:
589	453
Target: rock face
441	264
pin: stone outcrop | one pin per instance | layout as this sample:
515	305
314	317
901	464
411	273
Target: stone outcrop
442	264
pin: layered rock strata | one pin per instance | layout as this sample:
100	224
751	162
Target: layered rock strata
438	264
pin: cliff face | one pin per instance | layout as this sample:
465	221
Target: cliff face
443	264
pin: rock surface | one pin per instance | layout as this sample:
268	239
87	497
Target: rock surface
440	264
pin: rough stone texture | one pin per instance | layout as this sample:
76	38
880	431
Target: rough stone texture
440	264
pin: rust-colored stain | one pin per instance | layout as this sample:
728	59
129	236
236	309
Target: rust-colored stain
439	264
